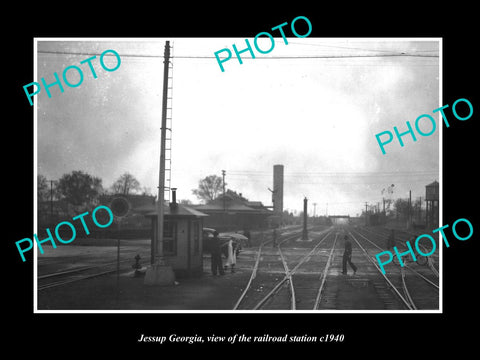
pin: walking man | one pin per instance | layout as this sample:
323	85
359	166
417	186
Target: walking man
216	257
347	257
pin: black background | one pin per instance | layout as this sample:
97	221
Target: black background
64	335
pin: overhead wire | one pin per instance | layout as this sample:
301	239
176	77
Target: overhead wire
245	58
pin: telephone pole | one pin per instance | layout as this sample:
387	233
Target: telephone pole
409	221
159	273
366	216
51	200
223	177
305	216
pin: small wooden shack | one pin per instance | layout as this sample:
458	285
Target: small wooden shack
182	238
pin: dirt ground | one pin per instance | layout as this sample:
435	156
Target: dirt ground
129	293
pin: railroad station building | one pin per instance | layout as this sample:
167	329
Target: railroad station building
227	213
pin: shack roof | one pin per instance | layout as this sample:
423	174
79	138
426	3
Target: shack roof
178	210
230	207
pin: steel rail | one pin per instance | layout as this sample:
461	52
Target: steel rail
255	267
281	282
405	301
59	283
290	282
77	270
402	272
405	290
252	276
405	265
325	271
430	261
422	277
288	275
73	271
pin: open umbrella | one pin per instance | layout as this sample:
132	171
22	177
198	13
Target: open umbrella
235	236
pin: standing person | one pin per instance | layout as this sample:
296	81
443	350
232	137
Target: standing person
216	255
347	257
231	256
246	232
391	241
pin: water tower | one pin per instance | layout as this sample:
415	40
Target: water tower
277	193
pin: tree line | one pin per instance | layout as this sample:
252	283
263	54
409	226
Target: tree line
80	188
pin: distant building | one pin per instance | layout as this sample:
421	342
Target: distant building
229	213
134	225
135	219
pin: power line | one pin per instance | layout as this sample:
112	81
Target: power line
356	48
243	58
315	56
94	54
365	183
338	173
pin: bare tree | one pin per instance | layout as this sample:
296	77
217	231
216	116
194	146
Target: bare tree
209	188
125	183
402	207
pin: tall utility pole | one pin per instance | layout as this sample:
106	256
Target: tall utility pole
409	221
305	216
420	210
51	200
223	177
159	273
366	216
161	177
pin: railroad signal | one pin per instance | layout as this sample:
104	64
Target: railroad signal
120	207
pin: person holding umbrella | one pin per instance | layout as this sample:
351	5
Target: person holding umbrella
231	255
216	255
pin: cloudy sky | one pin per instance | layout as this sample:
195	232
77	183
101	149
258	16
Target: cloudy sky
314	107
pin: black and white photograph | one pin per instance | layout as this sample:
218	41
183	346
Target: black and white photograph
205	182
277	193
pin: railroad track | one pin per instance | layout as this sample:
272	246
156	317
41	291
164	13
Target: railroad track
383	234
271	285
410	290
425	297
61	278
